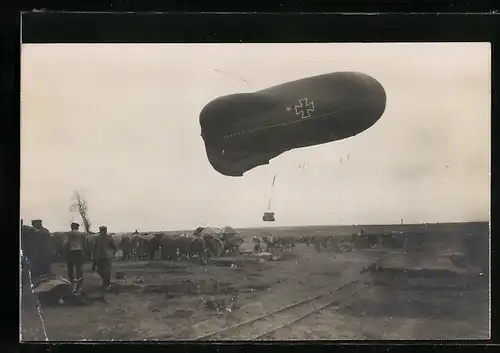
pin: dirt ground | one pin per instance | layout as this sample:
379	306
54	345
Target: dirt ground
160	300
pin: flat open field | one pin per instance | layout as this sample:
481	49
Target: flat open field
165	300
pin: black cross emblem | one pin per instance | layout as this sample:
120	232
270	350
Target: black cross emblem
304	108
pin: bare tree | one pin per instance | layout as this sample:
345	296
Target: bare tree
80	205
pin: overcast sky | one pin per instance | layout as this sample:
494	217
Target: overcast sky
120	124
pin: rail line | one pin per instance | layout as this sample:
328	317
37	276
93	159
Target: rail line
264	326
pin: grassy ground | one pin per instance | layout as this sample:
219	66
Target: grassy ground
160	300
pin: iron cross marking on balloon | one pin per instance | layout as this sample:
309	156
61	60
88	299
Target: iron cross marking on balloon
304	108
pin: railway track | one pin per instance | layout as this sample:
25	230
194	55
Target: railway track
263	327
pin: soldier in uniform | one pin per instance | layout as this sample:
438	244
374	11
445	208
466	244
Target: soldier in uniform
104	249
73	249
125	246
44	247
257	248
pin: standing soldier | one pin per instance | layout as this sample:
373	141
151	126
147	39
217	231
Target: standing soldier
125	246
43	246
73	249
256	248
104	249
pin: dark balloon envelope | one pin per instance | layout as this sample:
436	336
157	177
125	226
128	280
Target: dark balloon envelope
246	130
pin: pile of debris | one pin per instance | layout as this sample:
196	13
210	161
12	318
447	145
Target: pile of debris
52	292
425	271
267	256
244	261
60	291
221	304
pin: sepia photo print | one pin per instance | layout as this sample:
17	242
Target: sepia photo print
221	192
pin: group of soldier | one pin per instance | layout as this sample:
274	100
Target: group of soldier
76	246
102	255
37	252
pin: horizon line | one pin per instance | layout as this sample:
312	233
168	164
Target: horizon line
315	225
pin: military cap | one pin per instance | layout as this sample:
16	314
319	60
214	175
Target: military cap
103	228
36	221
